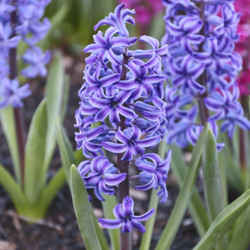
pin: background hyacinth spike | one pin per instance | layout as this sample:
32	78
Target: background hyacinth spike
26	26
204	67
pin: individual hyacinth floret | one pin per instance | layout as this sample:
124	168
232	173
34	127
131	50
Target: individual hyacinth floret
202	68
125	217
122	112
20	21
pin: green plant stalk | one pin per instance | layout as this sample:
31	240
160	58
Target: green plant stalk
212	179
177	214
83	211
50	191
154	200
54	96
213	183
12	188
224	222
8	124
240	238
233	172
101	238
66	151
146	238
35	153
17	112
223	174
108	205
196	206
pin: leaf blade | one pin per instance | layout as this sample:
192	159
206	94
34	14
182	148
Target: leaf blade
35	153
83	210
223	222
182	200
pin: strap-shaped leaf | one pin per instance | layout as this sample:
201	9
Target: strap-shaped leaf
212	179
114	234
66	151
83	211
54	94
35	153
240	238
12	188
49	192
146	238
154	200
8	123
224	222
196	206
183	197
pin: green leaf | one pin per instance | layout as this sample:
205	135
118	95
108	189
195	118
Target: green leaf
212	179
114	234
8	123
65	96
66	151
35	153
196	206
54	96
146	238
240	238
12	188
50	191
233	169
154	200
224	222
179	209
83	211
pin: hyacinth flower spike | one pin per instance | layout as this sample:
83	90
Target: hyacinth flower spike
123	94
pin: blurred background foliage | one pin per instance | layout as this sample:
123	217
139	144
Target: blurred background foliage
73	23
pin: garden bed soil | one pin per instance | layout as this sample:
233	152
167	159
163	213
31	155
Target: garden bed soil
59	230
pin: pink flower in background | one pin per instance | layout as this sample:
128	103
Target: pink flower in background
244	83
145	9
243	45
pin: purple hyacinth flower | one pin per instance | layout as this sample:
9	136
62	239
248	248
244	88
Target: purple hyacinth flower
141	80
154	173
186	73
89	139
30	28
131	143
118	20
186	28
36	60
152	54
112	107
101	175
97	79
12	94
6	41
224	102
125	217
5	8
109	46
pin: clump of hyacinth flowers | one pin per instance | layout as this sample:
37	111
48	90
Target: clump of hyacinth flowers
20	21
121	113
202	67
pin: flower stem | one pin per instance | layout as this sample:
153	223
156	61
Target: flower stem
123	188
17	111
204	114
